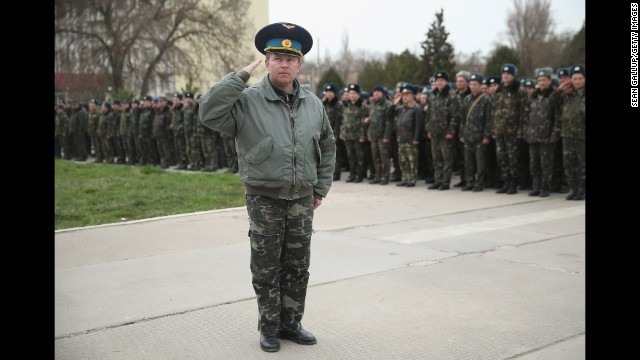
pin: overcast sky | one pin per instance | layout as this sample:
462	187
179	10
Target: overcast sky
378	26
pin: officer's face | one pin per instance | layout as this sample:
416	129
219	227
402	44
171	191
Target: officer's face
578	80
507	78
543	82
283	69
474	86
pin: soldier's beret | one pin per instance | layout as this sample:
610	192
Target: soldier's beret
188	95
283	38
477	77
354	87
577	69
331	87
178	95
510	68
546	71
441	75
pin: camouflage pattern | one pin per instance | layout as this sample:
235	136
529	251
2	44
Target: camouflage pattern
117	138
230	155
408	156
557	176
572	126
280	233
190	116
353	131
334	110
92	130
125	135
209	148
148	141
106	136
459	148
134	130
161	122
475	128
541	165
381	127
507	113
179	140
443	119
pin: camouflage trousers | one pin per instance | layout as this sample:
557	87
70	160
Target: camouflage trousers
475	163
573	152
381	162
107	149
280	232
80	146
355	154
195	155
164	149
210	151
541	165
507	152
408	156
340	158
97	148
129	148
459	159
557	178
180	144
442	151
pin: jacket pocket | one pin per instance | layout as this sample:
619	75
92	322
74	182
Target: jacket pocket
260	152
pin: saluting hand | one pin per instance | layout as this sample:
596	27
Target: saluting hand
249	68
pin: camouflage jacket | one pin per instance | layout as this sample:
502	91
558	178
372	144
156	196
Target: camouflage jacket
353	116
61	123
443	114
177	120
539	117
145	125
134	128
463	115
382	115
103	124
477	123
190	116
114	122
571	115
125	123
92	123
334	111
409	123
508	110
161	121
77	122
202	130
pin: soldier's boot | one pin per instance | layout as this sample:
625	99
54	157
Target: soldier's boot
580	194
536	188
462	184
435	185
544	192
478	187
513	187
470	186
505	187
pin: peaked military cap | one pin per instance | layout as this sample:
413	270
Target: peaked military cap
522	80
354	87
283	38
408	88
441	75
178	95
331	87
547	71
577	69
188	95
478	78
562	72
510	68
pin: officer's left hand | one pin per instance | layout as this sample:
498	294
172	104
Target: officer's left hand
316	203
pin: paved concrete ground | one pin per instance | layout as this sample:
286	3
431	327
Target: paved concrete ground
397	273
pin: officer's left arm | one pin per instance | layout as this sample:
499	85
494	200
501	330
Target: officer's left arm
454	113
388	118
326	165
419	125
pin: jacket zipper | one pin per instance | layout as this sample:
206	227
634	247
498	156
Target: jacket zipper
293	140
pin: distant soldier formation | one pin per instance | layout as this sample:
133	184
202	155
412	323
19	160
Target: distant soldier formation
505	133
147	131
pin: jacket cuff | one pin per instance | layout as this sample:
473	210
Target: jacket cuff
243	75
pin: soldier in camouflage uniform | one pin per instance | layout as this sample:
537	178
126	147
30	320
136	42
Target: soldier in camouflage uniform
506	115
105	132
538	127
333	106
381	126
134	130
177	124
286	168
161	122
475	133
558	181
61	125
462	91
425	158
571	124
148	142
209	147
352	132
493	177
409	124
116	108
125	131
443	121
191	124
92	129
78	131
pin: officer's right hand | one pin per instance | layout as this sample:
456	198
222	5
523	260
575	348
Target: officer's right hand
249	68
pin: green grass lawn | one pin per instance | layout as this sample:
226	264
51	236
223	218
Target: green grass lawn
93	194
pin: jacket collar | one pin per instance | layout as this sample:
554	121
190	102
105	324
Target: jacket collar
269	91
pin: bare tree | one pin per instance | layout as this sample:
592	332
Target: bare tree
147	39
529	26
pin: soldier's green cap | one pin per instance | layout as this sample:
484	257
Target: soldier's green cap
546	71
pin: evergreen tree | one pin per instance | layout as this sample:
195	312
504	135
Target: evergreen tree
575	51
502	55
404	67
331	76
437	54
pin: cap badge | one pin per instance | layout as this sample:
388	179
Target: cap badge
286	43
288	26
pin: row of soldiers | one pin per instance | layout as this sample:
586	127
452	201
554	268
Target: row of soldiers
494	131
150	131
